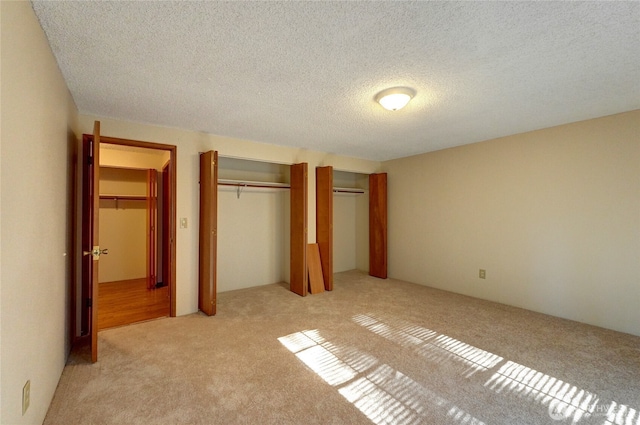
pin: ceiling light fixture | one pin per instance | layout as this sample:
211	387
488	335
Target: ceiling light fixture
395	98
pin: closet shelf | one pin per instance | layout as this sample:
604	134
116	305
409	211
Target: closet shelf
353	190
125	197
247	183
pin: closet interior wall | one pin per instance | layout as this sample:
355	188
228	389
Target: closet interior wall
123	222
350	222
253	224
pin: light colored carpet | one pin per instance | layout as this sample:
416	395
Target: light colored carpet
372	351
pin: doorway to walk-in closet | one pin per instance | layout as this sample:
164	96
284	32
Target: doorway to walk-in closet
134	278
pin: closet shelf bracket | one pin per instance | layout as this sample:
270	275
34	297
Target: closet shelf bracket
240	189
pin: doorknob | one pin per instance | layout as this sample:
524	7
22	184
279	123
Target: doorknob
96	252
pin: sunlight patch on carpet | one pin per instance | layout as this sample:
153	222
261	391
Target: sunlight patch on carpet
326	365
564	401
430	344
381	393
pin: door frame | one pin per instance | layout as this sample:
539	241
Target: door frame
86	315
152	228
173	155
166	221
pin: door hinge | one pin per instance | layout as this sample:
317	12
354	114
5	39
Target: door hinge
89	159
89	302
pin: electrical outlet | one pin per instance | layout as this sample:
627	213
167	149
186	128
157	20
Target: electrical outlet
183	223
482	274
26	396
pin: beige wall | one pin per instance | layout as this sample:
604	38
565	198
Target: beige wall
344	232
253	237
1	136
123	225
552	215
253	229
38	123
350	223
123	231
362	224
350	232
189	145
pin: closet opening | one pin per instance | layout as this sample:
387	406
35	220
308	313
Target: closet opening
351	224
135	278
253	217
350	221
253	226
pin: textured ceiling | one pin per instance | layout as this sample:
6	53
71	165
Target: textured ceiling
305	74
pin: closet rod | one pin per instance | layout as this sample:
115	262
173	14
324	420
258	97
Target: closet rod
241	185
347	190
267	186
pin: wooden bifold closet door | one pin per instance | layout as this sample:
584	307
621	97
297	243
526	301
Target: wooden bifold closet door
324	222
378	225
207	290
298	275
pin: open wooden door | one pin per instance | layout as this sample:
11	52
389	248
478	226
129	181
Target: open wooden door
324	222
298	277
90	233
378	225
208	232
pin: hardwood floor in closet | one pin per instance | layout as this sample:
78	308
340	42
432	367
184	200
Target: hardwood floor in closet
129	301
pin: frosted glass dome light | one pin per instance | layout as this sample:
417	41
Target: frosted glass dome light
395	98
